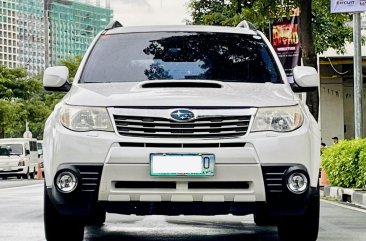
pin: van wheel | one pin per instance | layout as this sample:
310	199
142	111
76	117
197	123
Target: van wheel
60	227
26	176
19	176
32	174
301	228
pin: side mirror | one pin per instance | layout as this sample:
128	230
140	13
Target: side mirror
306	79
27	152
56	79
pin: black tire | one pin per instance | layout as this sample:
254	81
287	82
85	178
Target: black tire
263	219
26	176
61	227
32	174
97	217
19	176
302	228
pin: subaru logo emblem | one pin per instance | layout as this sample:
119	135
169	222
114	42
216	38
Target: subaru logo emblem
182	115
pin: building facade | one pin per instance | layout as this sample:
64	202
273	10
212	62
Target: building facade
73	25
8	33
35	34
31	35
337	91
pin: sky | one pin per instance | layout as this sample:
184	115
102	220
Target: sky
150	12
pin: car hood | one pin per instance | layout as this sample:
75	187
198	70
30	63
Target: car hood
132	94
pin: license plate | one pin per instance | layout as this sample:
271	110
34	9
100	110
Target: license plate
182	164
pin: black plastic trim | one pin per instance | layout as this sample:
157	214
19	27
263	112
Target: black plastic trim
279	199
178	208
181	85
82	200
65	88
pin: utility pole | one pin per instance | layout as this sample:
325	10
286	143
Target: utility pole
357	72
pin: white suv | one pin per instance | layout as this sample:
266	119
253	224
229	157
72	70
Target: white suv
191	120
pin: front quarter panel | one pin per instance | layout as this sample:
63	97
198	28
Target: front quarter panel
49	142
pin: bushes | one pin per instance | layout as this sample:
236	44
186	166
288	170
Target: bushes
345	163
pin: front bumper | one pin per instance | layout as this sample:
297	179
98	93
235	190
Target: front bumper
12	170
176	197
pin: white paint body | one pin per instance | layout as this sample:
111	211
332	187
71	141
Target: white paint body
301	146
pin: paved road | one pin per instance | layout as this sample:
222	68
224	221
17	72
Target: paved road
21	219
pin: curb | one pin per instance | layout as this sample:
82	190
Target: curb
354	196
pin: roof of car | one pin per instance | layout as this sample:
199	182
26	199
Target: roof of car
180	28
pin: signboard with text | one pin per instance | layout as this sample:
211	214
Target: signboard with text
347	6
286	42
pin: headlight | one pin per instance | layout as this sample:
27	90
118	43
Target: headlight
280	119
78	118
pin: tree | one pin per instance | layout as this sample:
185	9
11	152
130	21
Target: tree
317	24
23	98
72	64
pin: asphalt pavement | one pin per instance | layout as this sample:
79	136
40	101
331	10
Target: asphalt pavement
21	208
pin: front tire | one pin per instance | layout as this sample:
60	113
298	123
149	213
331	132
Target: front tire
97	217
60	227
263	219
302	228
26	175
32	175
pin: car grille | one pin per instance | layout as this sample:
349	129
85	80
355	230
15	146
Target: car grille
205	127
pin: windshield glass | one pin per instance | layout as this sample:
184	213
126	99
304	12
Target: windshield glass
180	55
11	149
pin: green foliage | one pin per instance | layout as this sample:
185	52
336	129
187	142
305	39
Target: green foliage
72	64
263	12
345	163
23	98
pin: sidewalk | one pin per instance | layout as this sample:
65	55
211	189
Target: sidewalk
354	196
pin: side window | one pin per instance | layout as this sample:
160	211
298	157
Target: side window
33	146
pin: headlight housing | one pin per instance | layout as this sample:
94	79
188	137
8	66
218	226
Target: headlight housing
80	118
279	119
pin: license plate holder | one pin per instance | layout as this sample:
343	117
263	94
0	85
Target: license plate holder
172	164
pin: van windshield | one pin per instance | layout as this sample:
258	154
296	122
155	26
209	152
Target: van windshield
133	57
11	149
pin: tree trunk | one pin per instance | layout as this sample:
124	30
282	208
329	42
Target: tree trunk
308	51
2	134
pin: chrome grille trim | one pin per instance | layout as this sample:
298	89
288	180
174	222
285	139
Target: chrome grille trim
201	127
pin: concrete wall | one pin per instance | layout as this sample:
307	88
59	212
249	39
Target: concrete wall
331	111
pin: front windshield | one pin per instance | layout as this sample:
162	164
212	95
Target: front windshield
11	149
136	57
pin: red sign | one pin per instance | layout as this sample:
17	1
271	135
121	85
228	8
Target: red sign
286	42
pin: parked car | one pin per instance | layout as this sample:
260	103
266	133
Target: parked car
18	157
40	155
181	120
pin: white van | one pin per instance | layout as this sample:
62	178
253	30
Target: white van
40	154
18	157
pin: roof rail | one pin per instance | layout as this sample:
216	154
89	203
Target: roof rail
246	24
113	24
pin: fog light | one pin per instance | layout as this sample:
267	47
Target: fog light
66	182
297	183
